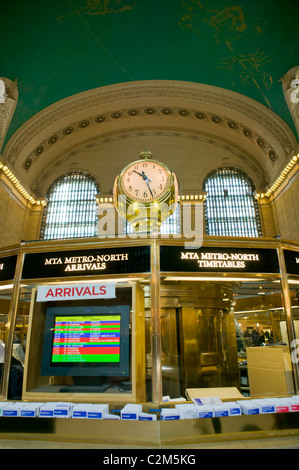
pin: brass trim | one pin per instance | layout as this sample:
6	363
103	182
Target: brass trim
156	325
154	277
12	318
288	313
156	434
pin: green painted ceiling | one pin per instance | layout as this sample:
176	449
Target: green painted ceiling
57	48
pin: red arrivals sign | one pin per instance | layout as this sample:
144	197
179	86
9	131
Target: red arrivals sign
76	292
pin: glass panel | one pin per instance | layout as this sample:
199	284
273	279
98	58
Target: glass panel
19	340
72	210
79	345
5	297
206	328
88	346
294	293
260	321
230	207
198	339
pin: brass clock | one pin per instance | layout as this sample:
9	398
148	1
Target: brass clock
146	193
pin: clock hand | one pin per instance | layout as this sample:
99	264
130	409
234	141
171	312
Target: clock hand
146	180
145	177
140	174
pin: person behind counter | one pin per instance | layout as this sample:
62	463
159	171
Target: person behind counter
268	337
257	339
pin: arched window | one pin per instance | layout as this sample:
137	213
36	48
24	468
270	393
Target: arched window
72	209
230	206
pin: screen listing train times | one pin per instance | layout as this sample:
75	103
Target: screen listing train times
86	339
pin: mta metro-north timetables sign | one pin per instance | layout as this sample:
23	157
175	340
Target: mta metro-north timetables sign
86	339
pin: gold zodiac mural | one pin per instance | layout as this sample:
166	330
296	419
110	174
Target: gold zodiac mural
101	7
248	67
228	27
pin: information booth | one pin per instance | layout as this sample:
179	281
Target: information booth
152	322
90	333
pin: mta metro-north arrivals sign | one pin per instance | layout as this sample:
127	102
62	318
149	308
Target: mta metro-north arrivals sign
104	261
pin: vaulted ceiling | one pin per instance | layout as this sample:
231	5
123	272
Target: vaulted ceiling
59	48
56	48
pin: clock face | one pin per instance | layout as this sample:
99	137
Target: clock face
145	181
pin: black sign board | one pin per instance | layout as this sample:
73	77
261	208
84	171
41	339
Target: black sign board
8	267
104	261
292	261
205	259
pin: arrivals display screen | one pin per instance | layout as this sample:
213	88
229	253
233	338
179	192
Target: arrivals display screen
89	339
86	341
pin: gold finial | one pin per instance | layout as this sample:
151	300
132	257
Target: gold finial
146	154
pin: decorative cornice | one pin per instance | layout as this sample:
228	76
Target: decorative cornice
19	188
105	99
283	175
133	113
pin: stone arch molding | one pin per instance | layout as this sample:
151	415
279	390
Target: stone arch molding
41	182
112	111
